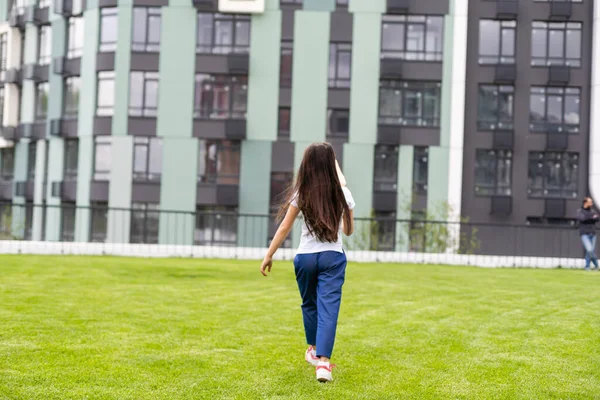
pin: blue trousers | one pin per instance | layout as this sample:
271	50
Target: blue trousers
320	277
589	244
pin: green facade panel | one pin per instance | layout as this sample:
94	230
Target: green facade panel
178	190
255	183
358	170
319	5
271	5
20	174
120	118
310	76
85	170
55	101
364	96
38	212
87	98
177	66
55	174
367	6
263	81
120	189
437	187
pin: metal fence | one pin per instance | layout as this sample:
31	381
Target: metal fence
149	225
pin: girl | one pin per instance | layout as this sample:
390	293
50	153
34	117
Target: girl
320	262
588	217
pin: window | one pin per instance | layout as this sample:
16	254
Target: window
219	162
384	237
28	231
2	101
147	159
554	109
497	41
553	174
106	93
340	59
71	97
386	168
146	29
44	45
495	107
338	123
287	63
143	94
144	223
7	164
108	29
102	158
3	51
31	158
41	101
75	37
99	222
220	96
67	225
420	169
493	172
412	38
556	43
280	183
284	128
223	33
44	3
71	159
409	103
216	226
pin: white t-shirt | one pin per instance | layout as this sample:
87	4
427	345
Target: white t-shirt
310	244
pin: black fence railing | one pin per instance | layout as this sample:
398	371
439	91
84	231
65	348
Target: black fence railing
148	224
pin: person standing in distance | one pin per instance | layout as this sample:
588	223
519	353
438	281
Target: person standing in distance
320	263
588	217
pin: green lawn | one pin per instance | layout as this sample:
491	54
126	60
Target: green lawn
116	328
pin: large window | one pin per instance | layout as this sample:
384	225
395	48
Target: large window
219	162
106	93
7	164
41	101
216	226
287	62
223	33
340	59
99	222
71	159
412	38
420	170
2	101
71	97
497	41
44	45
144	223
493	172
280	183
285	120
338	123
75	40
28	231
67	225
3	51
220	96
386	168
556	43
147	159
409	103
554	109
31	159
495	107
384	238
553	174
143	94
146	29
102	158
108	29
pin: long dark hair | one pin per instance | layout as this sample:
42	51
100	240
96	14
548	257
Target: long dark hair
319	194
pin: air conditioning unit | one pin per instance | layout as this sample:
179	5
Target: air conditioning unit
242	6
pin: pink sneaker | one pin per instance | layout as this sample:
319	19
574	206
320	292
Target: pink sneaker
311	356
324	371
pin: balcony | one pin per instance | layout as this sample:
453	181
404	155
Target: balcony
232	129
35	72
398	6
391	68
561	10
501	205
559	75
505	73
66	66
206	5
503	139
36	15
34	131
507	9
16	18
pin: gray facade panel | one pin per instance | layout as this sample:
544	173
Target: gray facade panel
339	99
341	27
287	25
99	191
105	62
145	192
282	158
144	61
6	190
141	126
285	97
103	126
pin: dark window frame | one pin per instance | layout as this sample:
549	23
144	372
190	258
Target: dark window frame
233	85
149	212
286	51
146	110
75	29
500	159
500	58
385	230
31	160
104	77
148	143
564	94
3	51
498	123
2	103
101	175
336	51
549	27
107	46
214	216
545	161
7	169
99	217
68	173
231	148
334	116
284	123
70	107
385	180
213	47
423	55
44	37
420	160
403	89
68	214
41	111
147	46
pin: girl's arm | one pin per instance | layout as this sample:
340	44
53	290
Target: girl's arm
349	230
282	232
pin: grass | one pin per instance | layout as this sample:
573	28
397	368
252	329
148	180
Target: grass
116	328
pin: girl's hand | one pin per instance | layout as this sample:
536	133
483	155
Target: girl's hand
266	265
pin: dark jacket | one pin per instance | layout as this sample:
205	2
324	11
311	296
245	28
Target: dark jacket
587	221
